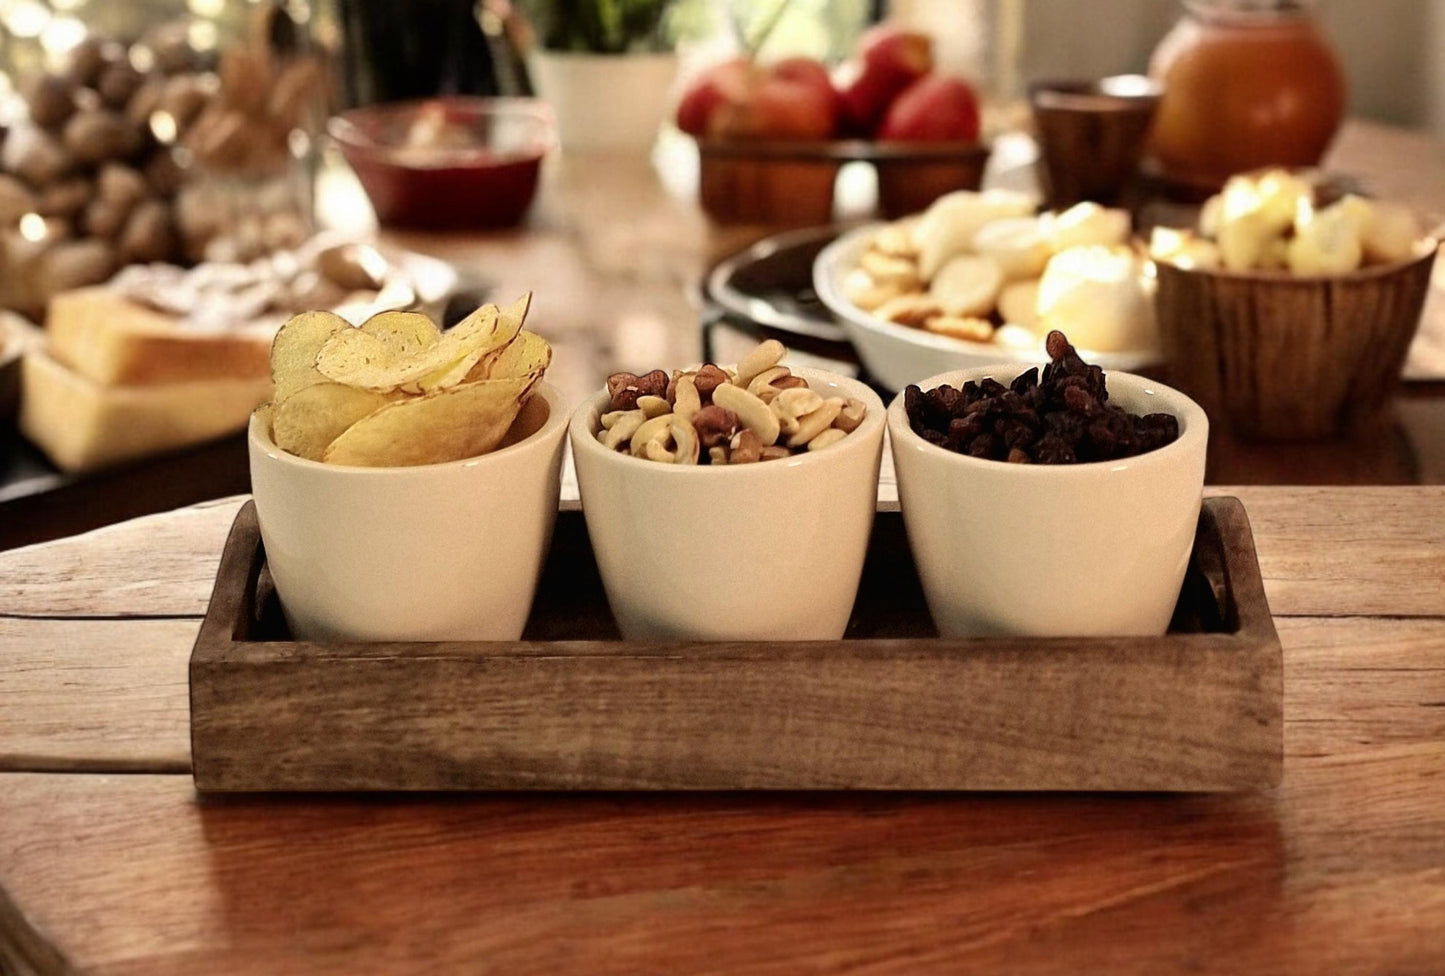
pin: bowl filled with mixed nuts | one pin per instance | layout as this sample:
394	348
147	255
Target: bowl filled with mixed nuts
1054	503
730	503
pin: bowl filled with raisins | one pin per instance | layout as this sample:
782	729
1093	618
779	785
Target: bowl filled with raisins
1052	503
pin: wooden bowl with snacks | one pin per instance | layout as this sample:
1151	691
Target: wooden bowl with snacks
1274	356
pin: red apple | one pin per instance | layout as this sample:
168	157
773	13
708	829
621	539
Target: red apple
891	60
793	99
932	109
722	84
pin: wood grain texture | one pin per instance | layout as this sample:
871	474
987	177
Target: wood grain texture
1339	871
71	698
1279	357
1322	551
119	696
146	567
1190	711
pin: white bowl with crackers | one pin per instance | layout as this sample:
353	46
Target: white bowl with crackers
980	279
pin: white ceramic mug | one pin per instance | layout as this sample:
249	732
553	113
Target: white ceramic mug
765	551
433	552
1053	550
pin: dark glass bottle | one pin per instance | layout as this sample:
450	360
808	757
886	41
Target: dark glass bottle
400	49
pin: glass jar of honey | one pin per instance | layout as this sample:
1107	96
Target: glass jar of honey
1247	83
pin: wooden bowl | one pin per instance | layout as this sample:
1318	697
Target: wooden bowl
792	182
1272	356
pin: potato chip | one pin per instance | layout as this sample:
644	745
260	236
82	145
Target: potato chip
357	358
449	424
396	391
404	333
306	422
294	350
527	355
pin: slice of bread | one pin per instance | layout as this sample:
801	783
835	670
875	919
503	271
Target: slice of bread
82	425
115	341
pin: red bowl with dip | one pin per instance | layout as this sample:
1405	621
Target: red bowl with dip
453	162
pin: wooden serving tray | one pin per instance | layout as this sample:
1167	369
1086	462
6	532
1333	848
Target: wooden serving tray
891	706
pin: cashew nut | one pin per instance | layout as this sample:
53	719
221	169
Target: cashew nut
685	439
653	406
622	429
816	422
787	423
789	405
612	416
752	412
761	385
652	429
852	414
719	455
827	438
798	402
686	401
767	355
655	451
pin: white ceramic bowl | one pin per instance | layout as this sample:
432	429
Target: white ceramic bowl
1053	550
897	355
432	552
766	551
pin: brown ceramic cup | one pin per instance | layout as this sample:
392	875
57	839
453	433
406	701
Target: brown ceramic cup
1092	135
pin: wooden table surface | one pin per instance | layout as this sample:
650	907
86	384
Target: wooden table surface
118	865
111	863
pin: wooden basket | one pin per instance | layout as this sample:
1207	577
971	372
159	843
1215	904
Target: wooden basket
891	706
792	183
1274	356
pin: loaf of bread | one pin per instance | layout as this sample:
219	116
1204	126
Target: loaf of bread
81	424
115	341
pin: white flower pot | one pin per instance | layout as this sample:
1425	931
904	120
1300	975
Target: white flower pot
605	101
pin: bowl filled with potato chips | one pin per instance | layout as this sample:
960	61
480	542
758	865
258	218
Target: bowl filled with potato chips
405	479
730	503
1288	313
